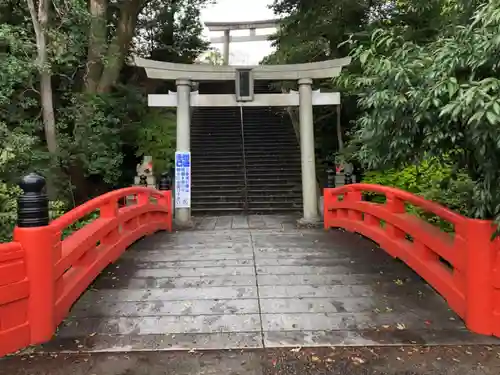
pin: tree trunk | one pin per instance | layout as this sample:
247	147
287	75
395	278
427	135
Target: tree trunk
104	63
97	43
40	20
340	137
118	48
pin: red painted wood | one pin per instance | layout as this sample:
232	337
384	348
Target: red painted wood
471	285
42	275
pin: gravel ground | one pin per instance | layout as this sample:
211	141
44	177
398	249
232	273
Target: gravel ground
415	360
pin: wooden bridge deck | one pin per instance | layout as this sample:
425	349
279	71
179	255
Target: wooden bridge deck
253	282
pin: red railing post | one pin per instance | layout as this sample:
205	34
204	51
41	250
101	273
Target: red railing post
479	276
164	187
168	203
110	211
395	206
38	240
354	196
327	202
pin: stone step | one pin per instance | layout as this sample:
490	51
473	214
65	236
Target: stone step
222	180
205	204
281	174
251	178
264	185
297	205
253	168
296	198
262	130
217	167
210	193
251	160
220	185
260	139
222	194
273	151
219	132
217	211
249	154
265	210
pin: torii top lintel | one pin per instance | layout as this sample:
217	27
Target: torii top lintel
242	25
201	72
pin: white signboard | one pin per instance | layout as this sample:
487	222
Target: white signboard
183	179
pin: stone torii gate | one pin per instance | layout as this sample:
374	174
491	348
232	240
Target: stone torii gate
244	76
227	27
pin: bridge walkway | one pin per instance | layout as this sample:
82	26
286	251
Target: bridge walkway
253	282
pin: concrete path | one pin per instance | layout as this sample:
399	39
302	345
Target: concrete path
414	360
253	282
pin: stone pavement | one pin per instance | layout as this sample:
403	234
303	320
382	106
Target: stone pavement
253	282
413	360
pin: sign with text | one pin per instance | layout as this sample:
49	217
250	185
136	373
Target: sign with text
182	179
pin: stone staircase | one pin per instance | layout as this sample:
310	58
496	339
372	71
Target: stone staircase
269	150
273	162
218	175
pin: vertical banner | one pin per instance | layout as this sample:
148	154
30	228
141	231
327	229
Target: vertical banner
182	179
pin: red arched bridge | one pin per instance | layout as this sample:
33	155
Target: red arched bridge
280	285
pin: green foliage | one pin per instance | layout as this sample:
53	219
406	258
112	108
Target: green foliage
156	138
431	180
429	100
171	30
96	126
8	211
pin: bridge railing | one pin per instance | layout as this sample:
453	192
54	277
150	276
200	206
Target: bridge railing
42	272
463	265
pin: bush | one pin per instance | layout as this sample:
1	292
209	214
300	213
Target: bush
8	210
433	181
8	213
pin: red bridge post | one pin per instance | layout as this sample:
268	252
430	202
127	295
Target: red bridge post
164	187
38	240
479	275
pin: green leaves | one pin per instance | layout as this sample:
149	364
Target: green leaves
156	138
438	98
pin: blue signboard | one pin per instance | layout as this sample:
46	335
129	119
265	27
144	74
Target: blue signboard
183	179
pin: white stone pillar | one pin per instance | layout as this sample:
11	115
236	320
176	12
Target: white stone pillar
227	41
309	192
183	137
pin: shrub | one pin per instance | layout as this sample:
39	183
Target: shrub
8	212
433	181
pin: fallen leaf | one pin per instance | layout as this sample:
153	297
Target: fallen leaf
398	282
314	358
400	326
296	350
93	334
358	360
